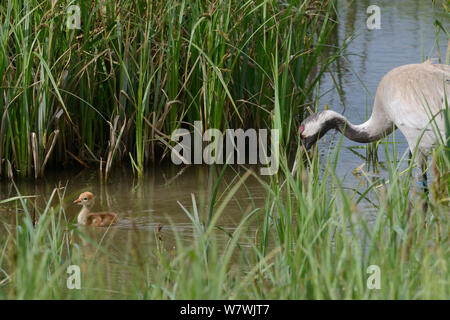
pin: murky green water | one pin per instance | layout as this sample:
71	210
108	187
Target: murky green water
407	35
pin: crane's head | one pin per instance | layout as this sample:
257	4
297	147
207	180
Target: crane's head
314	127
85	199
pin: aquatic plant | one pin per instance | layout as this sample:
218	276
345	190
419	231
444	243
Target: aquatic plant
114	89
313	239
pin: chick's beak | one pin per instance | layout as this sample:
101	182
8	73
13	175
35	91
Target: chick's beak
77	201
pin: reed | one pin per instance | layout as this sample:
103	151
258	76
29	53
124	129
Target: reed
114	90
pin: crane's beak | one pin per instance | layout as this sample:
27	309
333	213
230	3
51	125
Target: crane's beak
77	201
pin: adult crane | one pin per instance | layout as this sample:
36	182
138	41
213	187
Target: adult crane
411	98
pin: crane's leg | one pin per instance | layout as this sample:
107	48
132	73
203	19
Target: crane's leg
422	176
417	154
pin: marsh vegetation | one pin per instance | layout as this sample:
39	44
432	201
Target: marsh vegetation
93	109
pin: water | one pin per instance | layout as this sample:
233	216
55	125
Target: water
407	35
157	200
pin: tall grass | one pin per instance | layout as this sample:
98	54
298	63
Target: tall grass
136	70
313	239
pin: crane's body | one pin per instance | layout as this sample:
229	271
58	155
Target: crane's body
410	97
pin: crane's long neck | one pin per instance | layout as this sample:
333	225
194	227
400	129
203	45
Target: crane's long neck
373	129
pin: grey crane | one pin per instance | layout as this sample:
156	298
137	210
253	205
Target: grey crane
410	97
